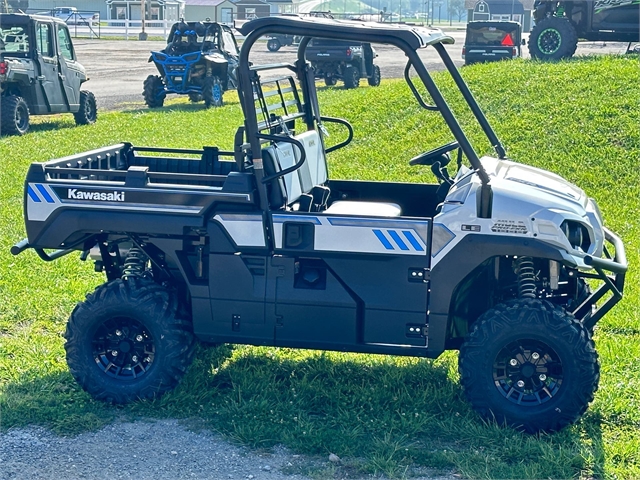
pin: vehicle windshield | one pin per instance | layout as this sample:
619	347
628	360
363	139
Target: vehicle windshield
495	35
14	40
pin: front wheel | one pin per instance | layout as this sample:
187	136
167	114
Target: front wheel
212	92
14	115
153	91
130	339
351	77
88	112
374	79
273	45
529	364
553	38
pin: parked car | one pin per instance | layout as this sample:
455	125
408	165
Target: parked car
71	16
492	41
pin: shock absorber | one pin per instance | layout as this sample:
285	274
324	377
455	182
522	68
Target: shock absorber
134	263
526	277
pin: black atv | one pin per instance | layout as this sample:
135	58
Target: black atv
343	60
200	61
39	73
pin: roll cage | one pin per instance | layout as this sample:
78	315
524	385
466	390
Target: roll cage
408	38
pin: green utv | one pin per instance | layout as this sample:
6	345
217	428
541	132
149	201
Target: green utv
559	25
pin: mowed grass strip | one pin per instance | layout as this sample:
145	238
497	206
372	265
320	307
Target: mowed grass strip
382	414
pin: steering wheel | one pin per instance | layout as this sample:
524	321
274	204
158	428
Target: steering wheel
428	158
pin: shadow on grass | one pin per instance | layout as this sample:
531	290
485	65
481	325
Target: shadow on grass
385	413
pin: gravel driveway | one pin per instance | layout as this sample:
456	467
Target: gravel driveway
152	450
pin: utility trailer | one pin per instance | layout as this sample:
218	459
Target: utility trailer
260	246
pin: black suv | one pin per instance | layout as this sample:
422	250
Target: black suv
39	73
343	60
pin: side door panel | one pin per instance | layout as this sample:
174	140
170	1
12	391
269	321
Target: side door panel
381	262
70	73
48	76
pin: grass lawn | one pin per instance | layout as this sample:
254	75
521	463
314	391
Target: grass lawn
382	414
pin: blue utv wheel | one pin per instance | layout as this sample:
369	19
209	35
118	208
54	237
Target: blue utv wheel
212	92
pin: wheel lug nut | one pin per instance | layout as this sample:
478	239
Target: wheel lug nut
542	377
138	338
114	353
535	355
513	362
520	383
134	358
118	333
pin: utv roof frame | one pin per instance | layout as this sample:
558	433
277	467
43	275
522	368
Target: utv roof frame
408	38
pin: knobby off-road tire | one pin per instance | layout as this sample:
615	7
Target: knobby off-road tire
273	45
153	91
374	79
14	115
212	92
195	97
88	112
330	81
130	339
351	77
553	38
529	364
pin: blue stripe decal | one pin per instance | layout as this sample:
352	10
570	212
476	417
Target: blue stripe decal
44	193
34	196
383	239
397	239
412	240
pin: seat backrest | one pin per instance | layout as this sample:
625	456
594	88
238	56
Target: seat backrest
314	170
292	186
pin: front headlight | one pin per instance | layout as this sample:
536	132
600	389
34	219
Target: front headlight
577	234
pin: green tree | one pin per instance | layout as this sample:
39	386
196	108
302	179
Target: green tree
457	8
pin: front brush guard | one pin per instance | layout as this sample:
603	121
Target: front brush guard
611	283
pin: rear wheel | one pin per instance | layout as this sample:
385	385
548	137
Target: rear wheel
553	38
351	77
88	112
14	115
374	79
195	97
529	364
273	45
129	339
212	92
330	80
153	91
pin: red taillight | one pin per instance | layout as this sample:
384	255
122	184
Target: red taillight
464	51
514	51
3	68
348	52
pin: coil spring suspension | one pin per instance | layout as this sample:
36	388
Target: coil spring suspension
134	264
526	277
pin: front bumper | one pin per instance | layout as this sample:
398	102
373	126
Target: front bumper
611	271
